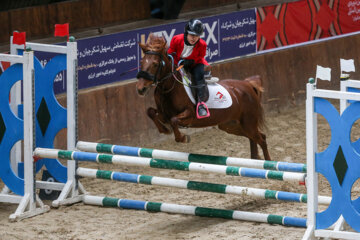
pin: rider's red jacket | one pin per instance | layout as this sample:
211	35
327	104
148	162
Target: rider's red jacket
198	52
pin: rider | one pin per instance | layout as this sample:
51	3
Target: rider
190	50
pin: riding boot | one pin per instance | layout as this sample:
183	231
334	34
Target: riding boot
201	109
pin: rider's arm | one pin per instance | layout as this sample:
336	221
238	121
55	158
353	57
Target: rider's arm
173	50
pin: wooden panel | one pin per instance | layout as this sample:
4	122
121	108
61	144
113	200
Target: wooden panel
204	4
4	30
40	20
124	11
34	21
77	14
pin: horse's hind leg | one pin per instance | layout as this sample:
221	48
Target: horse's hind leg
260	139
156	117
263	145
253	149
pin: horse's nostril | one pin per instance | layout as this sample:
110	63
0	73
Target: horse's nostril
142	91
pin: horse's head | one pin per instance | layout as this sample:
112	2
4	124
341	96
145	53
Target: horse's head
153	64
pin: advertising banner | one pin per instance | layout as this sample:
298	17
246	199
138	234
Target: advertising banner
303	21
116	57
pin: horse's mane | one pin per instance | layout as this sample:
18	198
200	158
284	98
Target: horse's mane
155	43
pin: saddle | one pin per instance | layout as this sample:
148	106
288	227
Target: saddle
218	96
209	79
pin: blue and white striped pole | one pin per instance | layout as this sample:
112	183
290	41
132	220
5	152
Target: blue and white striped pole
168	164
190	157
199	186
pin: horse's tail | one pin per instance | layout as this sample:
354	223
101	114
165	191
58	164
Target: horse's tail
256	83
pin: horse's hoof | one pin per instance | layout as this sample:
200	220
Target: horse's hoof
183	139
186	139
166	131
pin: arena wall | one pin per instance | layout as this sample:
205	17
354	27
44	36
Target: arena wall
116	114
83	14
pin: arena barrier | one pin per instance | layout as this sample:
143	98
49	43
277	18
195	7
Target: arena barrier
190	157
339	163
28	203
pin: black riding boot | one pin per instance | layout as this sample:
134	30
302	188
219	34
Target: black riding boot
201	108
197	76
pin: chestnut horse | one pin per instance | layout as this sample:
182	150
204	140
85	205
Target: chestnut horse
245	117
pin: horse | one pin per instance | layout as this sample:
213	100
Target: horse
174	109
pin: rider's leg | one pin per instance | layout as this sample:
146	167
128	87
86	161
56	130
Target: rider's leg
197	73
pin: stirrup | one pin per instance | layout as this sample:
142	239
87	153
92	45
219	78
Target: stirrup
206	108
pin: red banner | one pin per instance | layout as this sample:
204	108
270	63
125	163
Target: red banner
297	22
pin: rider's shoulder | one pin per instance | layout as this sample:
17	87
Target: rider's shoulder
202	42
178	37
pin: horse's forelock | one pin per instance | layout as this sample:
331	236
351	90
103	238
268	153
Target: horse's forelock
155	43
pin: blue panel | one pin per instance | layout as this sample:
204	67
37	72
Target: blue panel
14	129
351	89
125	177
58	120
125	150
21	111
341	202
132	204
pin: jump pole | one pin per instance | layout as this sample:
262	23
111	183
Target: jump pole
199	186
196	211
190	157
168	164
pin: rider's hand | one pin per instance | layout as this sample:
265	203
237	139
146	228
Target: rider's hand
187	63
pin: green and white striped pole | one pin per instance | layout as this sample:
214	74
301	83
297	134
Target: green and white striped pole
199	186
168	164
190	157
196	211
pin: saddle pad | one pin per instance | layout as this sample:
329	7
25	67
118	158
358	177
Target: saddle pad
219	97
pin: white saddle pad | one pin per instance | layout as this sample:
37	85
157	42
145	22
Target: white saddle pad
219	97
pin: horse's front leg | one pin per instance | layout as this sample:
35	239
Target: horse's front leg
181	119
158	119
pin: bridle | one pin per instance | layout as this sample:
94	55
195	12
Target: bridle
154	78
151	77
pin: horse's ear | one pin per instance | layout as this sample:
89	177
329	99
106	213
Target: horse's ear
150	37
165	43
143	46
